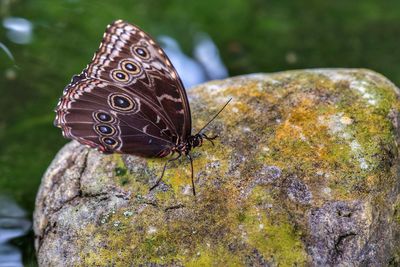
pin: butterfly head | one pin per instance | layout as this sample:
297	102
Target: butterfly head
192	142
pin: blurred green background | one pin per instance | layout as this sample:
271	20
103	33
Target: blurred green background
252	35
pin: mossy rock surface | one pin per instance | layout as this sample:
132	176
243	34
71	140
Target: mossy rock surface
305	172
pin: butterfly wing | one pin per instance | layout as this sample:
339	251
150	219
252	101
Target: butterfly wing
129	99
130	58
112	119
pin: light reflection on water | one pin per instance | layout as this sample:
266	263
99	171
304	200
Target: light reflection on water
205	65
19	30
7	51
207	54
13	224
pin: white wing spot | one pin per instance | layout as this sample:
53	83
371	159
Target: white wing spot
145	128
166	96
158	119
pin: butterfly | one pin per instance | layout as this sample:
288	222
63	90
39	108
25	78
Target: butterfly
130	100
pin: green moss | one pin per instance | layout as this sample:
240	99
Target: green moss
276	241
214	256
120	171
271	233
396	213
126	179
147	238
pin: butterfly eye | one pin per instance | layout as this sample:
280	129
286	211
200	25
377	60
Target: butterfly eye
120	76
103	117
122	102
130	67
109	141
142	52
104	129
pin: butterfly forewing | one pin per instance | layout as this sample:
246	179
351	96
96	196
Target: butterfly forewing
128	100
130	58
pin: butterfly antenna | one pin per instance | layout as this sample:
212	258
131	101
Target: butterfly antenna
216	115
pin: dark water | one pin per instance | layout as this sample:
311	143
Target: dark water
252	36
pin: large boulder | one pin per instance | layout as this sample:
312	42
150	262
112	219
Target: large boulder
305	172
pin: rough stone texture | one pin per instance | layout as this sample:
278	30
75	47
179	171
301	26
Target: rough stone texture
305	172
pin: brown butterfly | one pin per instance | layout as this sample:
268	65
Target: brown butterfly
130	100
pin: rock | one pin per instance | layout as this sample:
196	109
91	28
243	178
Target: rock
305	172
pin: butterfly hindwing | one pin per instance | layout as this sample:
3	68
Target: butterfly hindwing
113	119
129	58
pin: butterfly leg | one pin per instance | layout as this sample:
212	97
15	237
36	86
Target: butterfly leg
165	167
191	166
209	138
